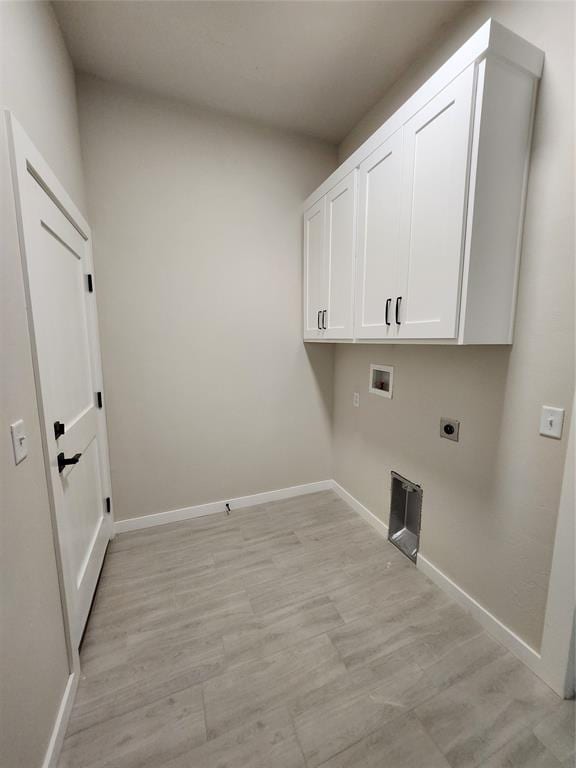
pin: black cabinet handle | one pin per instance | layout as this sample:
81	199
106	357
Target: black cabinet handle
64	462
388	302
318	321
59	429
398	300
323	319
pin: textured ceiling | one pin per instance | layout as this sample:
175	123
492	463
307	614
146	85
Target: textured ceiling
312	67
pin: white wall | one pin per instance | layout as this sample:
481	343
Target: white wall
37	84
210	392
490	501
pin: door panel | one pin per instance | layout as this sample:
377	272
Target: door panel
436	148
58	262
82	501
62	272
84	516
378	216
314	280
340	255
57	257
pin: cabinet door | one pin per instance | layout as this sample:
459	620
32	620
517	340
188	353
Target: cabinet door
340	256
435	180
314	282
379	185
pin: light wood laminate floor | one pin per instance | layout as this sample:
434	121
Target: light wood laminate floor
290	634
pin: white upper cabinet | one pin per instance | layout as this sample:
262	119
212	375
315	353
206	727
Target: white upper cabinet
427	248
436	149
329	255
340	256
377	278
314	279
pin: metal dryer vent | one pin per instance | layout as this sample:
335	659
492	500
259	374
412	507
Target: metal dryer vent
405	514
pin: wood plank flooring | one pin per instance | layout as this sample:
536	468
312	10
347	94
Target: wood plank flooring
291	635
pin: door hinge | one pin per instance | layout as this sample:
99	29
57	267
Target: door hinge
108	504
99	399
90	285
59	429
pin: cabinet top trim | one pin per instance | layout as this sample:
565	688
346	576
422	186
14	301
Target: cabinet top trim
492	38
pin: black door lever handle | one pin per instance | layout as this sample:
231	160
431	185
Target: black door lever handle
64	462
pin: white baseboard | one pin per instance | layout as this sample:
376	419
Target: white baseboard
59	731
491	624
363	511
213	507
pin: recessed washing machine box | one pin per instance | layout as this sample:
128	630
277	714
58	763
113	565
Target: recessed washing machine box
381	380
405	515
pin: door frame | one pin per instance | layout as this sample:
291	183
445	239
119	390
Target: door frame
26	160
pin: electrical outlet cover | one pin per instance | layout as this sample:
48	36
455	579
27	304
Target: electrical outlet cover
19	441
551	421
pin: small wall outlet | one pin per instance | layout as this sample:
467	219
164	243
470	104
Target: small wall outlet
450	429
356	399
551	421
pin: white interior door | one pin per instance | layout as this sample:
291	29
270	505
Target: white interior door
379	186
57	250
340	255
435	176
314	273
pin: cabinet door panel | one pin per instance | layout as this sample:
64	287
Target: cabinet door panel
340	255
379	186
314	282
436	147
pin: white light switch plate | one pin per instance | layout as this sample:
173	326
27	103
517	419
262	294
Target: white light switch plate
551	421
356	400
19	441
